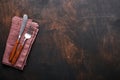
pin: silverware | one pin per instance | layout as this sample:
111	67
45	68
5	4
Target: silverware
26	36
24	22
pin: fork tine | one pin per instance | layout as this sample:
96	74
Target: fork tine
30	30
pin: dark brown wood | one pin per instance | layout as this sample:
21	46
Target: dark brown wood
78	39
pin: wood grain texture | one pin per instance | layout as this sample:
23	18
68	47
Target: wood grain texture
78	39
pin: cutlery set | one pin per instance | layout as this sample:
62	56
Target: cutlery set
22	35
14	55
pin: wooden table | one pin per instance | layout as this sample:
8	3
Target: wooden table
78	39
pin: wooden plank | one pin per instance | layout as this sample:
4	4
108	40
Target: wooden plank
78	39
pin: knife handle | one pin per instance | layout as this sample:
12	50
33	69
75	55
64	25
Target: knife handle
17	54
13	50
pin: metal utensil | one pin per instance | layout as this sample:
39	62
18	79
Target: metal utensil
26	36
24	22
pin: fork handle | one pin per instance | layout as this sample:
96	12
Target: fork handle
13	50
17	54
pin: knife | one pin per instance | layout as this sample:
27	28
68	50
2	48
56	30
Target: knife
24	22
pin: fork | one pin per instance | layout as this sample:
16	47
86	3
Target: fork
27	35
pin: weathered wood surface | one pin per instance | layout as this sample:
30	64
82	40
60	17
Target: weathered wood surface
78	39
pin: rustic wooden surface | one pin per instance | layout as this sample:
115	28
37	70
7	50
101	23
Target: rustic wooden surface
78	39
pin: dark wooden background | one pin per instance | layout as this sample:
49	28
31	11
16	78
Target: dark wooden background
77	40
